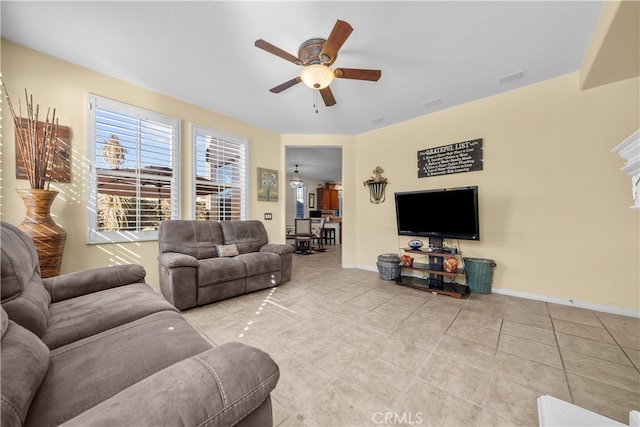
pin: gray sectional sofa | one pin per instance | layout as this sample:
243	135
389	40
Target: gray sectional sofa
101	347
201	262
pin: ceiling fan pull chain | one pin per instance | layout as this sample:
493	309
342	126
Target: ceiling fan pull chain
315	100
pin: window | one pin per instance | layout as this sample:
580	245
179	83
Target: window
220	175
300	201
133	171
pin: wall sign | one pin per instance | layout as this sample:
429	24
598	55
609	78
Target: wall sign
453	158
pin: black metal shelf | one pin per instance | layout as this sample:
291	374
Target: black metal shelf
452	289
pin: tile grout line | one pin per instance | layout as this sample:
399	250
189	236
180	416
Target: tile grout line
560	352
637	368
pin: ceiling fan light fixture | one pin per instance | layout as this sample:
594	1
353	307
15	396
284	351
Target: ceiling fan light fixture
296	182
317	76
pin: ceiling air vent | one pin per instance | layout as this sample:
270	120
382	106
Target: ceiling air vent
432	102
510	78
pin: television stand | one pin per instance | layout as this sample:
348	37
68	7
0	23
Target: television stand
452	289
432	277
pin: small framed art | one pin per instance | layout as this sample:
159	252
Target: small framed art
267	185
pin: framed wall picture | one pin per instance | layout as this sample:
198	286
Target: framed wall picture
312	201
267	185
61	165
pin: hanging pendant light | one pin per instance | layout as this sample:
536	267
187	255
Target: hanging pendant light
296	182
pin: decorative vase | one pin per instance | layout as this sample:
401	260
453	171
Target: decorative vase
450	265
48	237
407	260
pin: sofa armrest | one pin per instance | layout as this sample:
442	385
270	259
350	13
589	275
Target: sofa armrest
178	276
279	249
84	282
175	259
218	387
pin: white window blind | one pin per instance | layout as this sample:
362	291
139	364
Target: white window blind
133	171
220	175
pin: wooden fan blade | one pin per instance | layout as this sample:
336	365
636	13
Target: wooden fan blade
357	74
286	85
338	36
327	96
264	45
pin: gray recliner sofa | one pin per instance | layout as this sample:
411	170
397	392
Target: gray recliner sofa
201	262
101	347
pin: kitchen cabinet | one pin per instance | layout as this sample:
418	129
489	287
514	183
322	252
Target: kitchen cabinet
327	198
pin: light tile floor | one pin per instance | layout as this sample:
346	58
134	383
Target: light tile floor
355	350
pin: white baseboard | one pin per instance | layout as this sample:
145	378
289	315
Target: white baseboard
361	267
555	300
569	302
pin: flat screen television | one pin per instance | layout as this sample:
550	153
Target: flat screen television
447	213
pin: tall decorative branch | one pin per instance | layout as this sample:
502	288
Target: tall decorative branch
37	151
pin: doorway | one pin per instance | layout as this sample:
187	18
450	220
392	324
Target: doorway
317	167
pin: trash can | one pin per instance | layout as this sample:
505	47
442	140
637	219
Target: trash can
479	274
389	266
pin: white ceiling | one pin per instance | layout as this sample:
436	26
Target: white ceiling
203	52
319	163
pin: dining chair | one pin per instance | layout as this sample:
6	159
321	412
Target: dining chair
317	233
302	235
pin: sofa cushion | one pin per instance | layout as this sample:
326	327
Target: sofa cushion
25	360
217	270
210	389
80	317
84	373
249	235
260	262
23	296
195	238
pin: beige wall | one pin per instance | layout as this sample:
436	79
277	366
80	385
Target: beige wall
614	50
59	84
553	202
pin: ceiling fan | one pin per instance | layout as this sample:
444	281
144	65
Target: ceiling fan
316	55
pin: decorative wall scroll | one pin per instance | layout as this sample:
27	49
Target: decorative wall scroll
376	185
448	159
267	185
61	164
